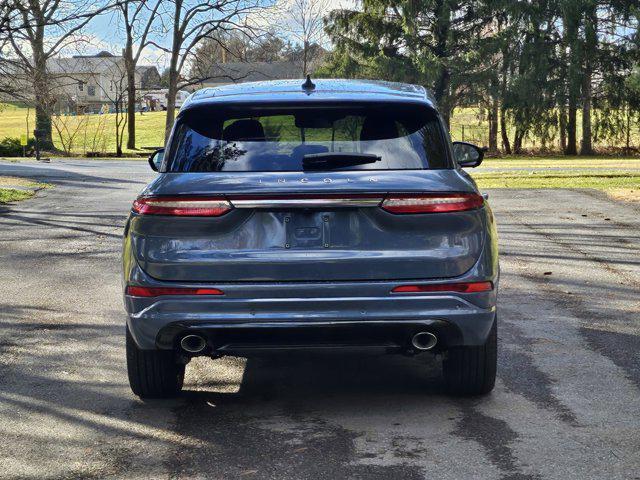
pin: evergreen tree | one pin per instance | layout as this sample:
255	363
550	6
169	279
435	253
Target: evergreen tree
536	68
428	42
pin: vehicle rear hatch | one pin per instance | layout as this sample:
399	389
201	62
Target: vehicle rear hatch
317	224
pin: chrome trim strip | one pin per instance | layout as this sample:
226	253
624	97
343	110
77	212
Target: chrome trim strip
306	202
426	322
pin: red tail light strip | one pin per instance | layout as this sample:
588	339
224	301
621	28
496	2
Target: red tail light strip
159	291
182	206
393	203
432	203
467	287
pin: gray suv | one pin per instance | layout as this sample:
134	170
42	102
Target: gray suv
298	216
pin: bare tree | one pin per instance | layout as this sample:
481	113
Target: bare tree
138	17
305	24
192	22
212	54
95	138
117	94
8	68
37	30
69	128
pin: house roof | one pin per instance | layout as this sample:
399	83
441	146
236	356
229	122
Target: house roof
81	64
237	72
103	62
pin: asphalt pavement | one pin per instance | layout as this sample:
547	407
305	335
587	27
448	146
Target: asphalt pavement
566	404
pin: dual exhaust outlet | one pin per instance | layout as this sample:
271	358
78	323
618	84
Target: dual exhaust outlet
421	341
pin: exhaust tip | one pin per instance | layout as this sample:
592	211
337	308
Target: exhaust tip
424	341
193	343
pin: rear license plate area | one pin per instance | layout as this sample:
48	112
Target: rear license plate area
308	230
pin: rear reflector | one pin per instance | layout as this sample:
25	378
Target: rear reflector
469	287
182	206
159	291
432	203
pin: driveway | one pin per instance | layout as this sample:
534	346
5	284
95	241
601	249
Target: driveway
566	404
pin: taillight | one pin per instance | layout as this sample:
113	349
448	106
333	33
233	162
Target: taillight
182	206
432	202
159	291
466	287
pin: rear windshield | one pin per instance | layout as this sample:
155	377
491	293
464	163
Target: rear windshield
272	139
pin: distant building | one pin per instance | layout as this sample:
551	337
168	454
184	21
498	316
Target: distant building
239	72
89	83
156	100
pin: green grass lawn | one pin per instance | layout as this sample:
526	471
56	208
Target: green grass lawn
558	172
600	180
94	132
548	162
618	177
8	194
12	195
466	124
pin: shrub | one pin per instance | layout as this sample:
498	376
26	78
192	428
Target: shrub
10	147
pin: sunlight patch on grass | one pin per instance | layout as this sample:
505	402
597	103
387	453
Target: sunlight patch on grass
604	180
21	182
9	194
561	162
625	194
14	122
12	195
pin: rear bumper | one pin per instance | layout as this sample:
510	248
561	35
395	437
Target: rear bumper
311	313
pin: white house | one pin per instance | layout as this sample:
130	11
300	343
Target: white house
89	83
157	99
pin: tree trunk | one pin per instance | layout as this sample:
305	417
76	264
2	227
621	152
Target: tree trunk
504	74
118	144
442	86
493	126
171	106
591	44
41	88
571	148
586	146
171	96
517	141
305	53
562	122
506	145
43	121
130	67
627	142
570	40
174	74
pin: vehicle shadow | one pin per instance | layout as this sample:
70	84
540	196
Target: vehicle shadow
309	412
288	376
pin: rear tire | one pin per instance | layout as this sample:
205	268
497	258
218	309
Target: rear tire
472	370
153	373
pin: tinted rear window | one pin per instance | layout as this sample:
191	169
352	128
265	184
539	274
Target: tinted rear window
270	139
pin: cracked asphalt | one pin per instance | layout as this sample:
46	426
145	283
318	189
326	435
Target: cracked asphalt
566	403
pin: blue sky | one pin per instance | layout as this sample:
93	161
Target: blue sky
106	33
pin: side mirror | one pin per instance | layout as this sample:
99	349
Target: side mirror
467	155
155	160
